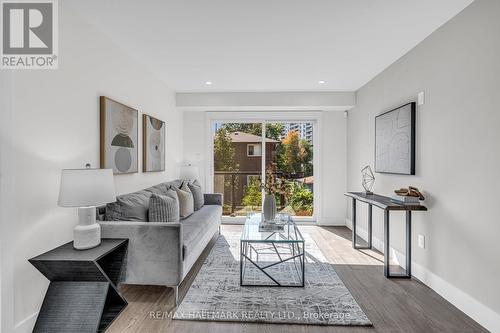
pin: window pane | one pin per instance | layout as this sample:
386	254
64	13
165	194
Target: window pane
257	150
250	150
237	166
289	160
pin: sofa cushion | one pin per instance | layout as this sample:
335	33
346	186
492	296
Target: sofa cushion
186	203
164	208
129	207
198	229
197	192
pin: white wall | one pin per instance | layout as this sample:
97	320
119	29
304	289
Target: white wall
6	200
334	173
457	157
333	154
54	120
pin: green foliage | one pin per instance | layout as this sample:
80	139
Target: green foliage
250	128
307	157
224	151
300	198
253	195
273	131
295	155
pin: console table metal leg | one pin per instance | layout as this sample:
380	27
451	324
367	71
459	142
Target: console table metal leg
386	244
370	222
408	243
354	223
387	247
354	228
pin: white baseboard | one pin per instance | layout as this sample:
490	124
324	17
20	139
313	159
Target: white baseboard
26	325
463	301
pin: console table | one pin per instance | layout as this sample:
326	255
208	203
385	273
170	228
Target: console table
386	204
82	295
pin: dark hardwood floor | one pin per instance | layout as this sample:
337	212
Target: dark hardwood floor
395	305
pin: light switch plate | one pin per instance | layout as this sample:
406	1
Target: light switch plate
421	241
421	98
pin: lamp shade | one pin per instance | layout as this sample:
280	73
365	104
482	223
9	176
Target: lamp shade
189	172
86	187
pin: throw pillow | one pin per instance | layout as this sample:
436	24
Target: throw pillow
197	192
129	207
164	208
186	203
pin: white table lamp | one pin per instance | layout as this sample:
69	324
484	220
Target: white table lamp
85	189
189	172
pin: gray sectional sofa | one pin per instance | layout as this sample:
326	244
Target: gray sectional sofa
161	253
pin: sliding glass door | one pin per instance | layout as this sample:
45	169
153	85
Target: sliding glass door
237	151
246	155
292	165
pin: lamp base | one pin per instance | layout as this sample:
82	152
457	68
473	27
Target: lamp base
87	234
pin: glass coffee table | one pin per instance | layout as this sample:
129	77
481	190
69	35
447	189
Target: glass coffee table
271	255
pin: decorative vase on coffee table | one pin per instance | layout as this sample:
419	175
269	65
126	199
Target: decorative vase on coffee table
269	208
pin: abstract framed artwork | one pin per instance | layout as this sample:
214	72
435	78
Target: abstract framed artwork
395	140
118	136
153	144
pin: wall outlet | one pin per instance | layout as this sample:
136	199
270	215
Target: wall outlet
421	241
421	98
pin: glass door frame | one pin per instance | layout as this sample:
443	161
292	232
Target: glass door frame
265	117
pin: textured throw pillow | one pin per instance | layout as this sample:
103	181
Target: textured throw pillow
186	203
164	208
129	207
197	192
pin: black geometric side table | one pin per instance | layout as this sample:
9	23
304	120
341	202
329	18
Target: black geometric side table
82	295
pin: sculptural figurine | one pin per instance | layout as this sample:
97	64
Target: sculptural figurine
368	179
411	191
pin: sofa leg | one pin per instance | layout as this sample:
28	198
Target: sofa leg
219	229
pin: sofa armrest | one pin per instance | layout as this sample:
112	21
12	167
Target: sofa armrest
213	199
154	254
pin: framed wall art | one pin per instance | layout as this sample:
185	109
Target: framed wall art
118	136
395	140
153	144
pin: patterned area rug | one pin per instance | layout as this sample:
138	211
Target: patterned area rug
216	294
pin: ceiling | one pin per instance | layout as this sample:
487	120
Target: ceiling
267	45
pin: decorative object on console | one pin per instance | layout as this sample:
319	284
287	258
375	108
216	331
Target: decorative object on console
85	189
411	191
408	196
395	140
189	172
118	136
368	179
153	144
